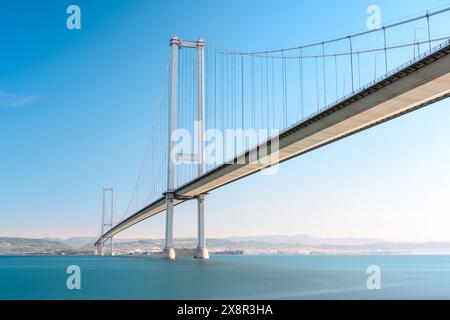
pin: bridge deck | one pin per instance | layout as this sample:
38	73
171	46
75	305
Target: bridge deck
408	88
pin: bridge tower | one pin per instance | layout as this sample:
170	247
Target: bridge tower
199	45
99	250
202	251
169	250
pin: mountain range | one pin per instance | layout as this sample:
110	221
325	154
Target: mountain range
250	244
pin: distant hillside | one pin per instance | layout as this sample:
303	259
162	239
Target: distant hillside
31	246
79	242
277	244
307	240
89	242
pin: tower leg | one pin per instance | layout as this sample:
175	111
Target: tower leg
169	251
111	247
202	251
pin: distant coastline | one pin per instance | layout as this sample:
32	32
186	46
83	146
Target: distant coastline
258	245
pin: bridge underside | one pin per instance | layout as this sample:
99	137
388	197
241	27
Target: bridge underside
416	85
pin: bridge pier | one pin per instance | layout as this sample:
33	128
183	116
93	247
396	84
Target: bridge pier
202	251
99	249
111	247
169	250
169	253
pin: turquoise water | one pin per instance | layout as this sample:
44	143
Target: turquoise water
225	277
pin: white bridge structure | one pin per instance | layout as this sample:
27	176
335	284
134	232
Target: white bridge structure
305	97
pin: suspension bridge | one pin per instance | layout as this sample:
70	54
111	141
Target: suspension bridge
223	114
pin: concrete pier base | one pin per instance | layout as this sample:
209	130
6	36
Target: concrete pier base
169	253
100	250
202	253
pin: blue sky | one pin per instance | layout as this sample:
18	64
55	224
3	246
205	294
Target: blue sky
75	108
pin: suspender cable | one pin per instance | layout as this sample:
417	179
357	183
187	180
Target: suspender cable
385	50
262	94
242	90
284	91
223	104
429	32
375	68
226	103
300	85
317	85
222	124
206	120
336	75
192	173
235	92
232	92
351	61
267	89
215	90
359	71
253	92
282	87
273	94
324	77
210	91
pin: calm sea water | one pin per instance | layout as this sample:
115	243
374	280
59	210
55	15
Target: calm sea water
226	277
